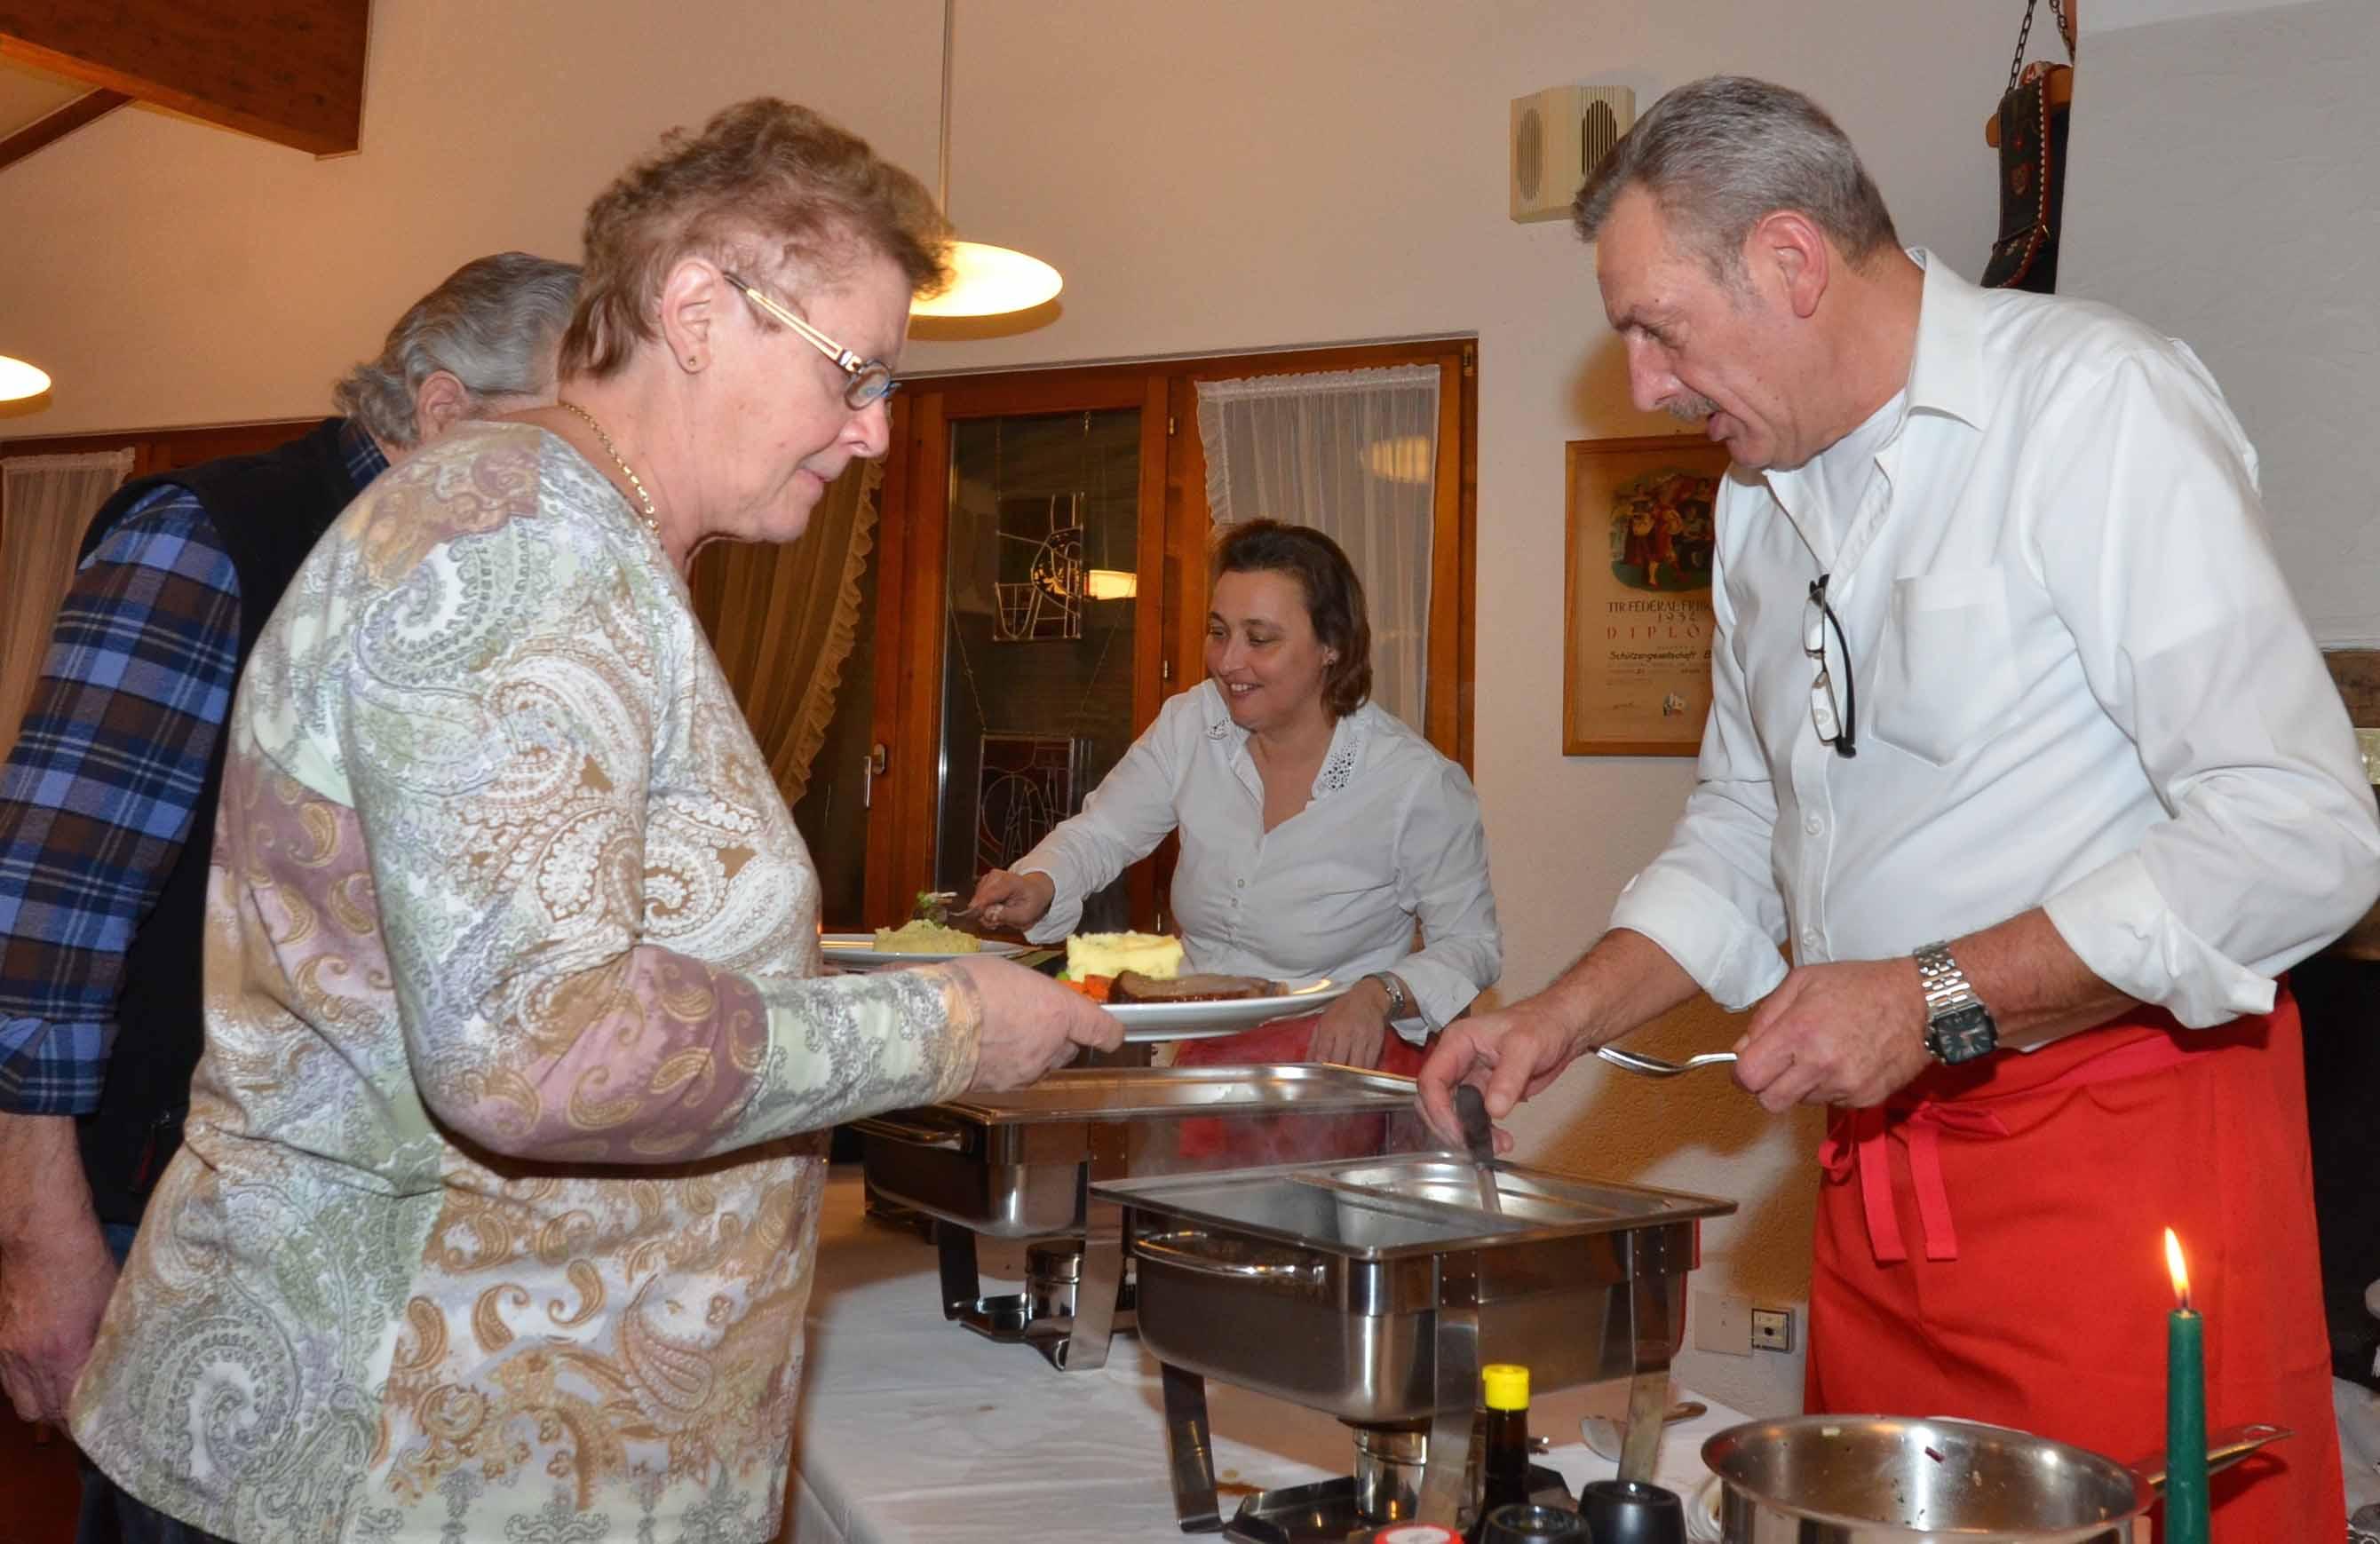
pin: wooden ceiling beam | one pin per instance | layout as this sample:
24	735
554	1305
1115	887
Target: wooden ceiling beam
291	71
57	125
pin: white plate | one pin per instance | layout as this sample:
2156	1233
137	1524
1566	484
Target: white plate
1206	1021
858	951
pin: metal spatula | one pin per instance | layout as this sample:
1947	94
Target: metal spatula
1471	1109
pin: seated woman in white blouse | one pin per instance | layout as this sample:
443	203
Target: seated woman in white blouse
1316	829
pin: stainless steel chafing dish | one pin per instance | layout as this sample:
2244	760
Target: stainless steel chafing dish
1017	1164
1374	1289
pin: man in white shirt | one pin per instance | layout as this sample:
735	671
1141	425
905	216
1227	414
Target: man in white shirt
2020	745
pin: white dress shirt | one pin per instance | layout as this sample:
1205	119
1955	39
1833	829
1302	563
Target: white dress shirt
2082	685
1391	837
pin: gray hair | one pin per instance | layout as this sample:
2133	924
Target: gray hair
1722	153
493	325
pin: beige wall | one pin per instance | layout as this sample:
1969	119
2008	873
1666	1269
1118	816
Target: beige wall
1218	176
2241	214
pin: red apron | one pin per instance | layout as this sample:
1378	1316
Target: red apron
2042	1303
1286	1139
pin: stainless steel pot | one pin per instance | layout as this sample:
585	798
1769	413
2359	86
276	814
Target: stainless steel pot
1892	1479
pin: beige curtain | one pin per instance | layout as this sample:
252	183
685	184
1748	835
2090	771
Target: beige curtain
782	619
45	502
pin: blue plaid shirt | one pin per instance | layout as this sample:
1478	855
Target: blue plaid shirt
98	793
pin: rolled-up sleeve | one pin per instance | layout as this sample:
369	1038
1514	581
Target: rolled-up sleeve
100	792
2153	547
1442	880
1710	899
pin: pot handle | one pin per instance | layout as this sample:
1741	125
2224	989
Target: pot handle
913	1132
1179	1249
2224	1449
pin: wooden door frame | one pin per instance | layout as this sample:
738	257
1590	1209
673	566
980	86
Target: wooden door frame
1169	645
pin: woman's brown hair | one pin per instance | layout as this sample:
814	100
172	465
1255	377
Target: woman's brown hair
1334	597
768	186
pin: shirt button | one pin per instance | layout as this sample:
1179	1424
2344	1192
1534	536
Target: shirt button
1810	937
1813	824
1239	884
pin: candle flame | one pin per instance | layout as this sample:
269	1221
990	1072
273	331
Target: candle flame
2180	1273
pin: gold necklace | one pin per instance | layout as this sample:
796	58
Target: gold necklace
652	521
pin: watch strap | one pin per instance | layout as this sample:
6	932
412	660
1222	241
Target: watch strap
1958	1028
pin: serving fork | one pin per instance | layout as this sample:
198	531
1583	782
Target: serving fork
1654	1067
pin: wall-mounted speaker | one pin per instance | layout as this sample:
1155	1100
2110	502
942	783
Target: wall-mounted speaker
1558	137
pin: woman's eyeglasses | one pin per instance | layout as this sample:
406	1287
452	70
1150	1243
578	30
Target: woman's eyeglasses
1838	728
870	380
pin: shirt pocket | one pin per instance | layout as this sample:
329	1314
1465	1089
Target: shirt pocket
1945	665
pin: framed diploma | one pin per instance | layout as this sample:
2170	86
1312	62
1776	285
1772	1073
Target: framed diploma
1636	606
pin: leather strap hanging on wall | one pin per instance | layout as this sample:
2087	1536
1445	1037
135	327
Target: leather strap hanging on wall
2029	132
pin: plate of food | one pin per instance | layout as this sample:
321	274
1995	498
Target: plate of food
1138	977
912	943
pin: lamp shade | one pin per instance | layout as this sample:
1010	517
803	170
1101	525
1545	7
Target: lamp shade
19	379
989	282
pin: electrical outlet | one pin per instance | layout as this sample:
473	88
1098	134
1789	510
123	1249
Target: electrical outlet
1723	1324
1772	1329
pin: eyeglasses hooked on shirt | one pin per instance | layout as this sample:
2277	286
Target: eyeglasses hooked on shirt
1838	727
870	380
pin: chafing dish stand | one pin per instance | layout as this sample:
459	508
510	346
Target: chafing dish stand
1021	1164
1374	1290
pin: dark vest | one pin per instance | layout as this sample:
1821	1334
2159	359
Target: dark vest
268	511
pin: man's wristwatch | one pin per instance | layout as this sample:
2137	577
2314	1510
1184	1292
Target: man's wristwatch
1958	1028
1399	1001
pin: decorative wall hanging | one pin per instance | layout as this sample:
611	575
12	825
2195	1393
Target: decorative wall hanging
2030	131
1636	614
1027	785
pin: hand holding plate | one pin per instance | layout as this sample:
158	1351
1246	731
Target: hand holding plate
1031	1024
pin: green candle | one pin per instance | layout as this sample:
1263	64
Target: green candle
2185	1410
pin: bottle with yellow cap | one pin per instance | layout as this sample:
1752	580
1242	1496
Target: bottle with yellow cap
1504	1466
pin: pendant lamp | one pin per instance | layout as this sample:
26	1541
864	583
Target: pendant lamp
986	281
20	380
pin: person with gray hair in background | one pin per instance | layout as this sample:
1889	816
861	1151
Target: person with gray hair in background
108	804
2020	746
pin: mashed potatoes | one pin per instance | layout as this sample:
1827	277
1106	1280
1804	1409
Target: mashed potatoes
1111	953
923	938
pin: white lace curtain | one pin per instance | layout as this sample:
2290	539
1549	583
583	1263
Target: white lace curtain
45	502
1354	454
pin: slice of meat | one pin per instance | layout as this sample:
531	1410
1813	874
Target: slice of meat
1131	986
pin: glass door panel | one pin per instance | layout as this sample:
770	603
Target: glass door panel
1039	578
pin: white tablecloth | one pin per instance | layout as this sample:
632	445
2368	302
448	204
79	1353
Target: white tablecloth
912	1428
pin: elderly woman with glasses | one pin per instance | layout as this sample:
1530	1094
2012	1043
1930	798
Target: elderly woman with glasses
497	1215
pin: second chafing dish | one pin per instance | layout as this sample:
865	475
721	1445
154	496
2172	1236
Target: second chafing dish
1374	1290
1017	1166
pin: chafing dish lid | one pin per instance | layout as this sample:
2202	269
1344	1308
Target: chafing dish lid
1375	1208
1128	1092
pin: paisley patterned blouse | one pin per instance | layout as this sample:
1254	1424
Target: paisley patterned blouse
495	1218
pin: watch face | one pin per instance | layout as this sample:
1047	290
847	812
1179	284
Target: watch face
1962	1035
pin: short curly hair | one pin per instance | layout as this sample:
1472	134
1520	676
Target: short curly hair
1334	597
768	186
